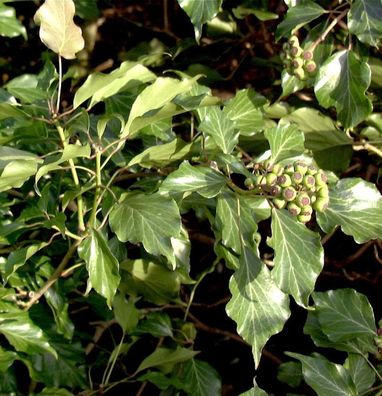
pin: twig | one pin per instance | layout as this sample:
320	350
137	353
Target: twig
55	276
100	329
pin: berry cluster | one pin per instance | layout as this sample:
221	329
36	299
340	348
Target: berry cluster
297	62
298	187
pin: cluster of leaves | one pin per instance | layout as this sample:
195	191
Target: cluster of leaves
93	208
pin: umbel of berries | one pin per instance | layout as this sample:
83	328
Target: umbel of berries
296	61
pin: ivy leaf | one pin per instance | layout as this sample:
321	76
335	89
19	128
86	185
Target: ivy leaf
166	358
355	205
102	266
57	28
6	359
10	26
200	12
187	178
299	256
245	110
148	219
344	314
220	128
364	21
298	16
362	374
285	141
341	82
201	378
258	306
326	378
125	312
99	86
290	373
158	324
54	392
235	220
23	334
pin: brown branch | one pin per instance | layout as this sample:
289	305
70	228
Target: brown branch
100	329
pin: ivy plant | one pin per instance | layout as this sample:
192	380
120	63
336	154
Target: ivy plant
96	195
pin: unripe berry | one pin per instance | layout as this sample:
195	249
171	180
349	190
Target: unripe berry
295	51
307	55
312	170
323	191
286	47
248	182
297	178
284	180
302	199
260	180
310	67
277	169
304	218
289	194
300	167
289	168
267	165
293	208
293	40
275	190
321	204
297	63
299	73
279	203
307	210
271	178
379	332
309	181
313	199
321	178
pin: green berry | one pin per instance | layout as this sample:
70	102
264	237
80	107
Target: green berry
275	190
289	168
321	178
307	55
260	180
271	178
304	218
284	180
307	210
249	183
321	204
293	208
297	63
302	199
267	165
323	191
310	67
286	47
300	167
279	203
293	40
277	169
299	73
309	181
289	194
297	178
312	170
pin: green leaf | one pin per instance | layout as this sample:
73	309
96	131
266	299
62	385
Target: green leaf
258	306
8	382
6	359
355	205
220	129
299	256
290	84
234	219
158	324
19	257
71	151
57	28
162	381
290	373
326	378
126	314
154	282
165	359
344	314
87	9
201	378
163	155
150	219
16	173
102	266
54	392
364	21
200	12
285	141
341	82
10	26
298	16
332	148
25	88
99	86
23	334
362	374
245	110
187	178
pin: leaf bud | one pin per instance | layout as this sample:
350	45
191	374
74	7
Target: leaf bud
321	204
310	67
284	180
293	209
304	218
307	55
300	167
297	63
271	178
279	203
297	178
299	73
309	181
289	193
321	178
323	191
302	199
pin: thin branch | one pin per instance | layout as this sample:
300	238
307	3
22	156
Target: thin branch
59	85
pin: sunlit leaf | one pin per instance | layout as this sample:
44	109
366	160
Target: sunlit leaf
341	82
6	359
362	374
10	26
57	28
